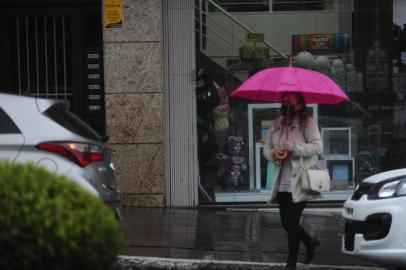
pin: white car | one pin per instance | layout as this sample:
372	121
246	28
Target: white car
375	219
46	133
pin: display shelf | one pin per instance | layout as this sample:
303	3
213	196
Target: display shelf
342	172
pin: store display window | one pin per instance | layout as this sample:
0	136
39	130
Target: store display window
361	137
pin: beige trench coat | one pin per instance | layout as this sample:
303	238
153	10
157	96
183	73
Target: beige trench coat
306	143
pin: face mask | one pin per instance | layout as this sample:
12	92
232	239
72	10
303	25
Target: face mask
288	110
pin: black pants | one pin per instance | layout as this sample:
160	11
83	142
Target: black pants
290	213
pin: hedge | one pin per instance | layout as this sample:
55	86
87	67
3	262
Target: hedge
50	222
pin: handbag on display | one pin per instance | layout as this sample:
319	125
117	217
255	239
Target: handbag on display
314	178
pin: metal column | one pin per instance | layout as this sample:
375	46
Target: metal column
181	163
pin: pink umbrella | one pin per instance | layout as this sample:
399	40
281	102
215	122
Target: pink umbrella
269	85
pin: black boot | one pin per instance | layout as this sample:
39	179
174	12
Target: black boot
311	250
290	264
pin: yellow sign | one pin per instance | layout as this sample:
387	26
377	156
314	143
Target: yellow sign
255	37
113	13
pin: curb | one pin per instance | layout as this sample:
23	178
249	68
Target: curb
311	211
156	263
311	204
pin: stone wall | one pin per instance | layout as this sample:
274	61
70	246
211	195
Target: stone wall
134	79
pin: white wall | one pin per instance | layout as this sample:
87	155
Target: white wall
399	12
345	7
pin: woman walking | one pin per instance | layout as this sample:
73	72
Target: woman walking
293	135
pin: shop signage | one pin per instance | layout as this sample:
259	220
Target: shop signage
93	56
93	66
331	43
93	76
94	108
255	37
113	13
94	82
94	97
94	86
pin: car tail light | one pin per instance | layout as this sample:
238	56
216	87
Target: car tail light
109	203
80	153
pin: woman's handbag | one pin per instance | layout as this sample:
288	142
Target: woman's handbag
314	179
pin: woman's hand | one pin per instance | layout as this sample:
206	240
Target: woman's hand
282	153
279	154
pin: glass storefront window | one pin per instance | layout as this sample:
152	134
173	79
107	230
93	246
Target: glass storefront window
361	45
242	5
301	5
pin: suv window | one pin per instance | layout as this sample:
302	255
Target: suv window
60	114
7	125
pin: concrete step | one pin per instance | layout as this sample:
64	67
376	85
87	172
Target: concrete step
157	263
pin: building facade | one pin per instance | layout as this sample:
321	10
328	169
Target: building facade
135	109
158	84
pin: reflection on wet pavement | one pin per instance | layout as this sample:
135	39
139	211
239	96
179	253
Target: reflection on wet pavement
226	235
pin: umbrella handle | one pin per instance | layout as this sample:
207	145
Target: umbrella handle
287	126
282	154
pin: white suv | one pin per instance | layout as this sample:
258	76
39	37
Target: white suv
375	219
46	133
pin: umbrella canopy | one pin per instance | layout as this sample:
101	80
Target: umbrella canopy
270	84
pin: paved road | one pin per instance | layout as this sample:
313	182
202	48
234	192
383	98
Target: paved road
252	235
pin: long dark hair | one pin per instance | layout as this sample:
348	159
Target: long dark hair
303	113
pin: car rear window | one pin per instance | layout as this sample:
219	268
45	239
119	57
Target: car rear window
7	125
60	114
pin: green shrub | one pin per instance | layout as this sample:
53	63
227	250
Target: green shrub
49	222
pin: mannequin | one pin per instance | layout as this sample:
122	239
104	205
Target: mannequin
220	117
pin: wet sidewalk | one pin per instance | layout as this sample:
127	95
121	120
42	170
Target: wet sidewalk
251	235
